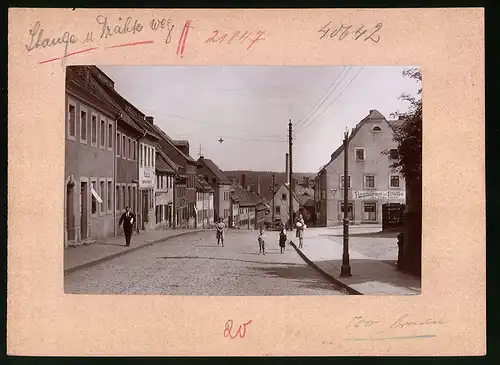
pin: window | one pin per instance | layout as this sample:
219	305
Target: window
342	182
118	144
94	200
393	154
349	211
103	133
376	129
141	154
129	152
110	136
283	196
117	197
394	181
134	150
369	182
360	154
370	211
83	125
110	196
93	131
278	209
124	145
102	191
71	121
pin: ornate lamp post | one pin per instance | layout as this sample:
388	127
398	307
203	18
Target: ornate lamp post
345	269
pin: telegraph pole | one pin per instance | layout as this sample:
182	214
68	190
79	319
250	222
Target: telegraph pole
272	187
290	185
345	269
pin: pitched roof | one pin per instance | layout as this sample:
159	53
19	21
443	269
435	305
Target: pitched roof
303	193
202	185
167	159
162	165
165	138
246	198
294	194
373	115
215	170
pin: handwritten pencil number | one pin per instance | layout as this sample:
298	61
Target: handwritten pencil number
359	32
324	30
345	33
370	37
241	332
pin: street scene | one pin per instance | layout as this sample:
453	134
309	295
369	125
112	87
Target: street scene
231	180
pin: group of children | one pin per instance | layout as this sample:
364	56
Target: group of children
261	238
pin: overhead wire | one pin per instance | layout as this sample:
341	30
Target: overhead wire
304	119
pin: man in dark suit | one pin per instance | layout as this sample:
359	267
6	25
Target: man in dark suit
128	219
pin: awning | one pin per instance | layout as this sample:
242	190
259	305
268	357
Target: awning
94	193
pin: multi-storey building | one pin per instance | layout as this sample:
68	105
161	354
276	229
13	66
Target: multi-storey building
221	186
89	159
371	181
204	203
166	172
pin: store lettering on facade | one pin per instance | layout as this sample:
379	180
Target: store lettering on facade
146	178
379	195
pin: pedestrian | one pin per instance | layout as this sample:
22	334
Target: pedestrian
221	227
128	219
282	238
300	224
261	238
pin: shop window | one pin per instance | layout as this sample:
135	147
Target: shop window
370	211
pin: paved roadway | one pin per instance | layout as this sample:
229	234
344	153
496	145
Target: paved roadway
195	265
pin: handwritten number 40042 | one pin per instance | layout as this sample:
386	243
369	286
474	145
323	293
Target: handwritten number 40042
345	30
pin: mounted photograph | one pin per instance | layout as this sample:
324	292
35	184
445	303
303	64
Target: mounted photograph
243	180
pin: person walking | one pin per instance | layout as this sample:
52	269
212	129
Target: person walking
300	224
220	228
282	238
128	219
261	238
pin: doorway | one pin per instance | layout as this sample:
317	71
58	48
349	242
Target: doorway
350	211
145	209
83	210
70	214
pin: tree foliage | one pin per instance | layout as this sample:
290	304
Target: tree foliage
408	135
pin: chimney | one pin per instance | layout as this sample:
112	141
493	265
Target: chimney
287	171
244	181
258	185
150	120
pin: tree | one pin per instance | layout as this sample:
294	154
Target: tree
408	137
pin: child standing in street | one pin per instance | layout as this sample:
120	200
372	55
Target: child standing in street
221	227
262	242
282	238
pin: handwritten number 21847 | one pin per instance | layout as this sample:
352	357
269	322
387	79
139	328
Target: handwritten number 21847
344	30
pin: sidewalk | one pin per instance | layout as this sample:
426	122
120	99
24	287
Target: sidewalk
373	269
76	258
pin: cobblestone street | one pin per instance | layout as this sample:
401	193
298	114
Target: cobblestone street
195	265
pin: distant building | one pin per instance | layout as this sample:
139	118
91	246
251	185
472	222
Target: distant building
281	203
166	172
371	181
204	203
221	186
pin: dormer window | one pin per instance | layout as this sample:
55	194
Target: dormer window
376	129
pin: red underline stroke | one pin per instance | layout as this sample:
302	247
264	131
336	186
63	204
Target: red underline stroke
130	44
69	54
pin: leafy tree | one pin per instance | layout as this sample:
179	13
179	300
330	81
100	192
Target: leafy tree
408	136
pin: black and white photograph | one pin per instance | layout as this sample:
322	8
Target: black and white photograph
243	180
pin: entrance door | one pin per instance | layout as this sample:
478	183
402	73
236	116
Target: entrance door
350	215
145	208
83	211
70	214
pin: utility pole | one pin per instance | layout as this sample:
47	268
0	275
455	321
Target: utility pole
345	269
290	185
272	188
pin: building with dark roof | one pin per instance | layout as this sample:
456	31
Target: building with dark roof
166	172
204	203
371	181
221	186
90	125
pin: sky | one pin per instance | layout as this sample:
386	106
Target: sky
249	107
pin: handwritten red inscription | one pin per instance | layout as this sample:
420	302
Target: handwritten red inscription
183	38
219	38
242	329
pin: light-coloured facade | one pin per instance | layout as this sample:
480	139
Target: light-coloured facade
164	199
371	181
247	216
281	204
204	209
147	162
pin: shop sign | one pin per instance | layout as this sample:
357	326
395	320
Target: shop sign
379	195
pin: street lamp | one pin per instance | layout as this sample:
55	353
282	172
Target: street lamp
345	269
